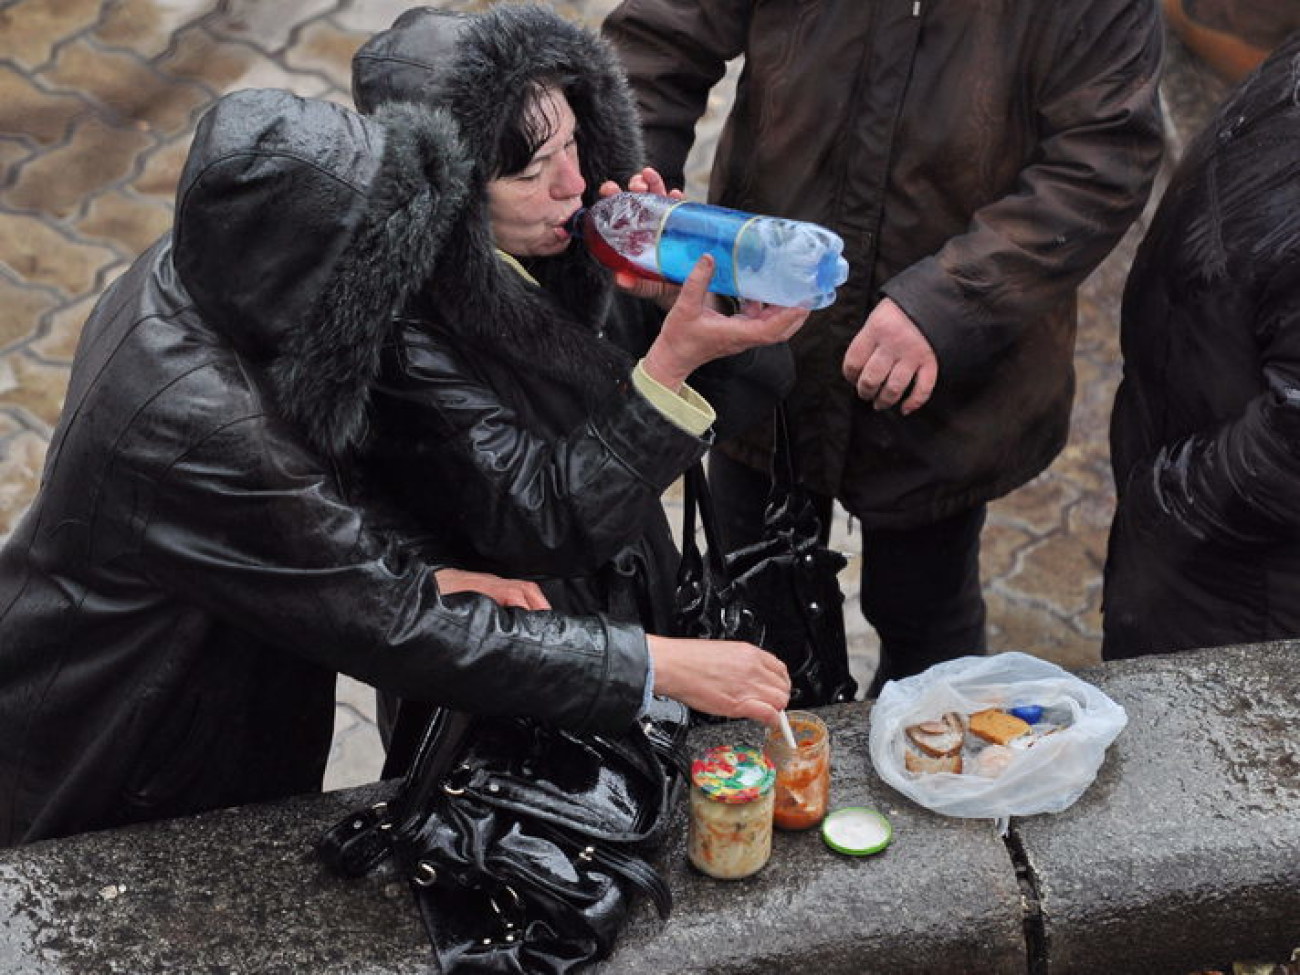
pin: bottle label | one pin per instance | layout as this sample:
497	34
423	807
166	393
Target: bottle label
691	230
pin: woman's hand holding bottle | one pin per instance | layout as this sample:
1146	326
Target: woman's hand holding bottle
699	326
695	333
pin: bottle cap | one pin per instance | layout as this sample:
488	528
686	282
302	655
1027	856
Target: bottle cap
733	773
1028	713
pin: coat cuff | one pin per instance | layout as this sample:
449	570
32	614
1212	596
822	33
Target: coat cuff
954	324
687	408
621	697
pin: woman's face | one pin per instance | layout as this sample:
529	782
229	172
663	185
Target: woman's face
528	209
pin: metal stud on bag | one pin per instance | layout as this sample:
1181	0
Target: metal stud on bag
454	786
425	874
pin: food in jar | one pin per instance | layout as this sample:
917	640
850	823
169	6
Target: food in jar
730	834
803	773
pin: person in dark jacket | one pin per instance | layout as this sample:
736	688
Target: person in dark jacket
979	160
1205	433
195	569
519	343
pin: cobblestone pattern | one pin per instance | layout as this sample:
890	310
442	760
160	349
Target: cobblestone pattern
98	102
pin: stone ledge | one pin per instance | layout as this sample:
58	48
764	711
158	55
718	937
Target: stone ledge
1183	855
1185	852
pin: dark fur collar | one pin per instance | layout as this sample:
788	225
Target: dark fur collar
476	66
325	370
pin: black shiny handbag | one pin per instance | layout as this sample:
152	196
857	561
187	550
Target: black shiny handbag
524	844
781	593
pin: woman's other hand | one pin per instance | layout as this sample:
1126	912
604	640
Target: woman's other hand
722	677
663	293
646	181
519	593
695	332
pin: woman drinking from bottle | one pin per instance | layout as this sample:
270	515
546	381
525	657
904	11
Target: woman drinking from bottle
529	415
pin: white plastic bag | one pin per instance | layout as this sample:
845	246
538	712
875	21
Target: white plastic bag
1047	776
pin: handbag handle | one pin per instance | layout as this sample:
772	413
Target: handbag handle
698	496
441	746
784	475
359	842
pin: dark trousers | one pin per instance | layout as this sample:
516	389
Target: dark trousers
920	587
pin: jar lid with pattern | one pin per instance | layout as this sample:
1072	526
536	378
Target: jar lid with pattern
733	774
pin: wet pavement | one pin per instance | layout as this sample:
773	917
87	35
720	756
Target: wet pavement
98	102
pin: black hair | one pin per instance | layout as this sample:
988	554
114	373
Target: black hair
527	130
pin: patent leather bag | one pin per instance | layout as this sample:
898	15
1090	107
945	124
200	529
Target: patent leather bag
524	845
781	593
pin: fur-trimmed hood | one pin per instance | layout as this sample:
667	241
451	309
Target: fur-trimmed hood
302	228
477	68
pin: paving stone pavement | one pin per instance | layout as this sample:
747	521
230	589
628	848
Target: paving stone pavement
98	102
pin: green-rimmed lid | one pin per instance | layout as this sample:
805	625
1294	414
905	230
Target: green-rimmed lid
733	773
857	831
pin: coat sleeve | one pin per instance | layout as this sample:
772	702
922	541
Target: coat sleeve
1100	144
536	505
250	528
674	52
1233	487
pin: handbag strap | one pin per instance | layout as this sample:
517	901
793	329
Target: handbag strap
441	746
699	497
784	475
791	512
358	843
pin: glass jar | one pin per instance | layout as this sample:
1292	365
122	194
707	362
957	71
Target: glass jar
803	774
731	812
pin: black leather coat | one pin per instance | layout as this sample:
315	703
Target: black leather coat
193	571
1205	434
490	420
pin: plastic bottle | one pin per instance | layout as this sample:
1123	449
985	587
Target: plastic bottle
768	259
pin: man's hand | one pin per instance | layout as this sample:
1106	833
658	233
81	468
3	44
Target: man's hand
519	593
722	677
888	356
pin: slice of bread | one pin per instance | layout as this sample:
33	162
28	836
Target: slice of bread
997	726
916	762
938	738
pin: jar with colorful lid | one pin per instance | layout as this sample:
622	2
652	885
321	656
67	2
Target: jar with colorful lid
731	812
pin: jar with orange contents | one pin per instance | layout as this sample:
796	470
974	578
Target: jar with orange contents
730	833
803	773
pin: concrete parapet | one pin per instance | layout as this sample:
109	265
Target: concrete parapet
1185	852
1183	855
